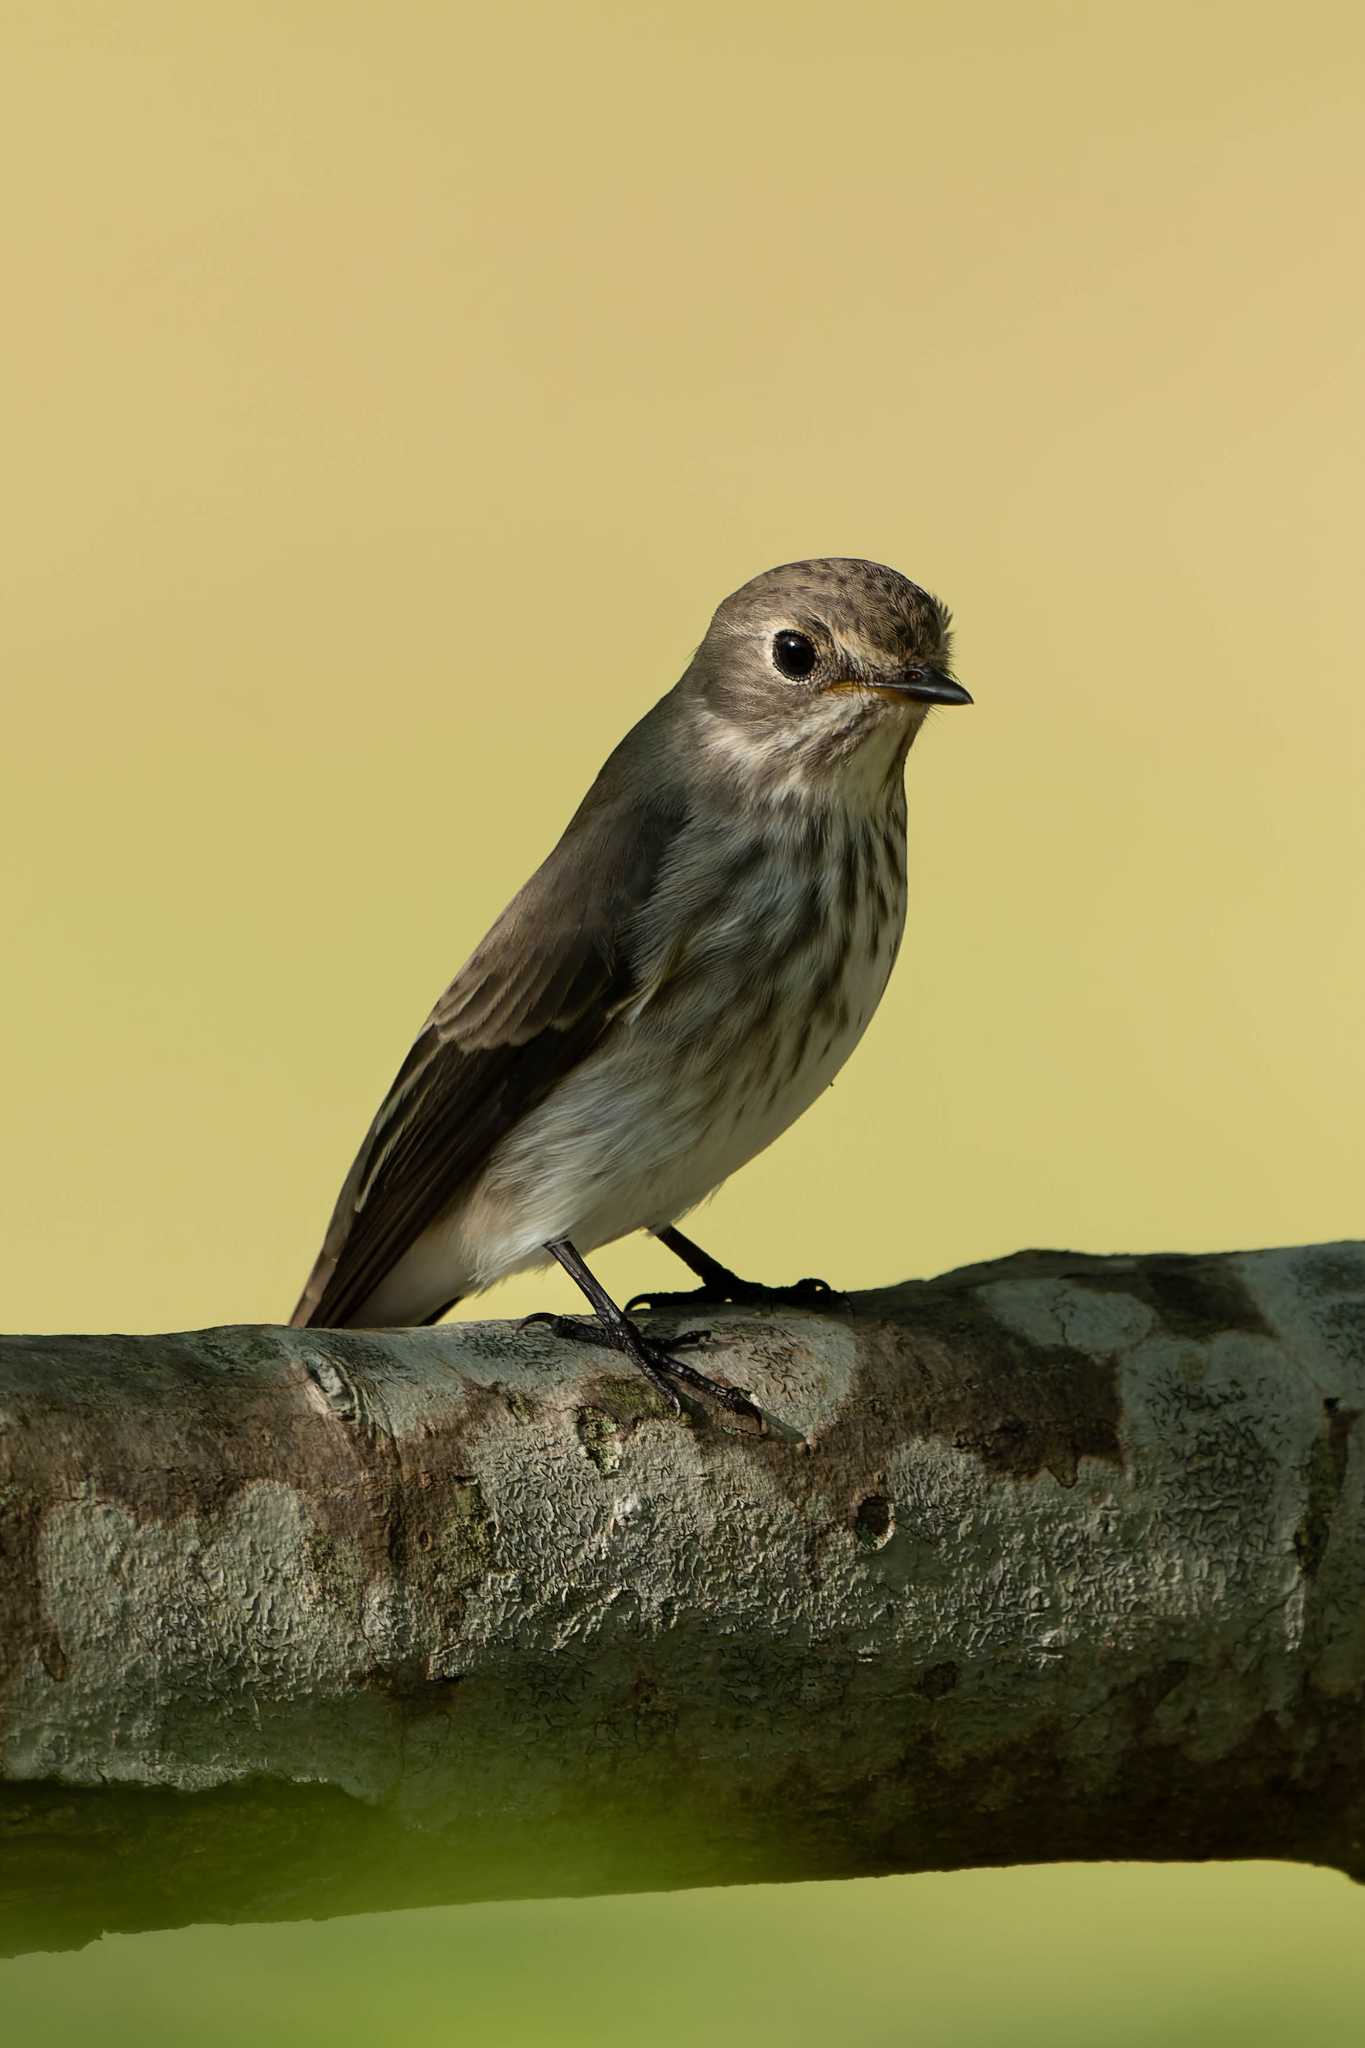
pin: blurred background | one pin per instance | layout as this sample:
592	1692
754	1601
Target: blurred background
390	395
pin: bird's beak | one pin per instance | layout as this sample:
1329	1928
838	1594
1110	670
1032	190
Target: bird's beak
929	686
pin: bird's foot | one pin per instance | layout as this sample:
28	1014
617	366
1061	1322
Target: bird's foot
655	1361
730	1291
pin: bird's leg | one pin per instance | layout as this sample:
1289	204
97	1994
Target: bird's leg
722	1288
614	1328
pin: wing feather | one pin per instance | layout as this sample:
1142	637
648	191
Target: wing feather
533	999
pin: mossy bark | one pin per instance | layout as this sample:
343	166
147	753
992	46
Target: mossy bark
1054	1557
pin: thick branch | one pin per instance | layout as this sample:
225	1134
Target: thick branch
1056	1557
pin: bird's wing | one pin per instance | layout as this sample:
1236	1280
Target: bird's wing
529	1004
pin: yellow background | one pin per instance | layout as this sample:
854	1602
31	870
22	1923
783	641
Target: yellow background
390	393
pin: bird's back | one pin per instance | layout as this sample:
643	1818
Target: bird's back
527	1007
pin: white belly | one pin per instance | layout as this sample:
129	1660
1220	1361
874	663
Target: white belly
714	1065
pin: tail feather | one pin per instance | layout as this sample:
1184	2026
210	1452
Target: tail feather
312	1309
307	1308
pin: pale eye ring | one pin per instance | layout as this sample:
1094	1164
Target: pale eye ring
794	654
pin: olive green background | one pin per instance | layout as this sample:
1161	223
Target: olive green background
389	395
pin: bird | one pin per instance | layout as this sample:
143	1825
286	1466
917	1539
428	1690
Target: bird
680	979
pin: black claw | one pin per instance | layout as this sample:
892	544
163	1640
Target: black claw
653	1372
654	1361
574	1329
736	1293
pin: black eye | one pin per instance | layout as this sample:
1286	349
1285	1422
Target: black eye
793	654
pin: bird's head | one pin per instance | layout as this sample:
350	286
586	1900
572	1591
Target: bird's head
823	671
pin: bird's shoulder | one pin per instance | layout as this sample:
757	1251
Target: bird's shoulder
566	940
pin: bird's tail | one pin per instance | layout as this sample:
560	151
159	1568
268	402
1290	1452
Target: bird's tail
310	1301
310	1311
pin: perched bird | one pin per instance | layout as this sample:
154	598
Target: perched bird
676	983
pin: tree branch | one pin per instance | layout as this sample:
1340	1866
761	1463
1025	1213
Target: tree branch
1055	1557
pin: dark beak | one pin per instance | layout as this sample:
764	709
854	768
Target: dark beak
931	686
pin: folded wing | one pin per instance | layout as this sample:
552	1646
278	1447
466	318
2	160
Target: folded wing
530	1003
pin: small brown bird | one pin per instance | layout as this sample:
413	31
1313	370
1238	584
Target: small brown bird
677	982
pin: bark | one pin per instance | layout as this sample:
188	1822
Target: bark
1055	1557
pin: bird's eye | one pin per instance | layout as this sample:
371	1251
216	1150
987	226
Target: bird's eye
793	654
